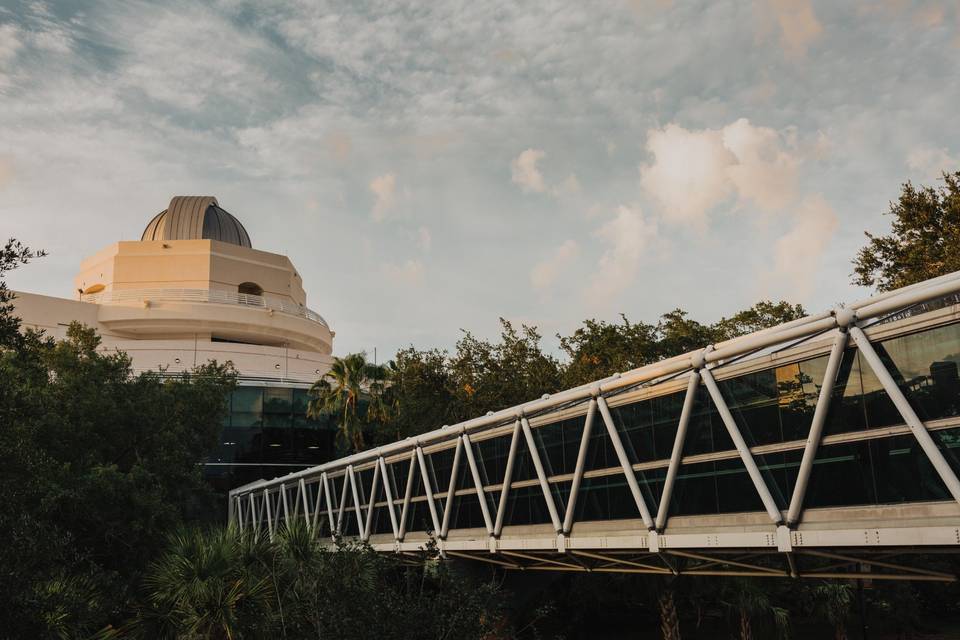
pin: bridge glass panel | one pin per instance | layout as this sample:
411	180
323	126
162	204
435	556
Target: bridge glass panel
600	451
439	465
525	505
605	498
634	423
491	455
903	473
695	491
754	402
556	453
665	417
418	517
735	490
842	475
925	366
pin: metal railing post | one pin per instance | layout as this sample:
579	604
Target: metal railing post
371	501
909	415
815	435
676	455
343	503
356	499
451	491
752	470
388	492
541	475
428	489
478	483
266	499
407	495
625	462
507	477
580	466
330	500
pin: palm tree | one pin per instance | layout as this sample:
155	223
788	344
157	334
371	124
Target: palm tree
208	584
832	601
749	600
338	393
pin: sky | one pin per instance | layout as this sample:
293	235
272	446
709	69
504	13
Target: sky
432	166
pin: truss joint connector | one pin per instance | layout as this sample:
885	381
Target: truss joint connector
845	317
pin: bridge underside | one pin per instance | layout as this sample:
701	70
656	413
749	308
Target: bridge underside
828	447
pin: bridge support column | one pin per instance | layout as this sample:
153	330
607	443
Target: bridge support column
541	475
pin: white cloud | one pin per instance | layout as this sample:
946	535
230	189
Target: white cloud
6	171
384	189
408	273
694	171
765	172
689	174
628	235
525	172
424	239
545	273
797	254
930	162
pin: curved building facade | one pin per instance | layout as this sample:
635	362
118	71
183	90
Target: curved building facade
194	289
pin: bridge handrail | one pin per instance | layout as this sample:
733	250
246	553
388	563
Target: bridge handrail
216	296
874	307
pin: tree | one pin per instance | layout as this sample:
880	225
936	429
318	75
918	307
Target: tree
12	255
98	464
924	241
832	602
339	392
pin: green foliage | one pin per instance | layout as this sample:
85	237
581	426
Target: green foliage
924	241
12	255
338	393
217	583
98	464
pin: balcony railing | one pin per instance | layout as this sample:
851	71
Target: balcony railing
215	296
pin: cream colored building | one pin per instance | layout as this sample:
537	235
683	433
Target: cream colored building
193	289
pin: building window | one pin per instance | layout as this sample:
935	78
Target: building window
250	289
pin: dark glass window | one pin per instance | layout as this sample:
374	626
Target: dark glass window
665	416
754	403
605	498
842	475
634	424
695	491
277	400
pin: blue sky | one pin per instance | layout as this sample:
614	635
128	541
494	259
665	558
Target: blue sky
431	166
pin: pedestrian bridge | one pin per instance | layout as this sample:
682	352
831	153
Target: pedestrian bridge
826	447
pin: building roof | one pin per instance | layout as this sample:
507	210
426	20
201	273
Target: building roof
196	218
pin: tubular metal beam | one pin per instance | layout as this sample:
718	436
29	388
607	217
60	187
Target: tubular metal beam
286	509
451	490
407	495
909	415
330	499
625	462
677	454
306	504
428	489
343	502
578	470
507	477
741	446
477	483
371	501
356	499
266	499
816	428
317	508
388	492
541	475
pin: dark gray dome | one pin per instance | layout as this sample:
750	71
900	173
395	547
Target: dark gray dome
196	218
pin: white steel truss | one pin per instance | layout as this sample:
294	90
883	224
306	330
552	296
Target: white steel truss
656	542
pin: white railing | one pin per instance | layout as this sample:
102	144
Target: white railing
215	296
